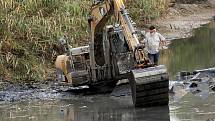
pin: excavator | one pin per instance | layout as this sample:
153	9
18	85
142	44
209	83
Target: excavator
114	53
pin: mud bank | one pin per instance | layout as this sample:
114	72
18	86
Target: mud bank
181	19
52	91
196	82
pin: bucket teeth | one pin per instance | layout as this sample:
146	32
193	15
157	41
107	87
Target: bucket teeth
150	86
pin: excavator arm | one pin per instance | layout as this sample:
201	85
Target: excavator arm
102	12
149	85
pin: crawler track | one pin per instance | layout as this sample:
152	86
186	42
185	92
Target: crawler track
150	87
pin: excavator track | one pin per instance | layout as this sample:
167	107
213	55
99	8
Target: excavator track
150	86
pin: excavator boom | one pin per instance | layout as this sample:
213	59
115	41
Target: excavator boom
100	14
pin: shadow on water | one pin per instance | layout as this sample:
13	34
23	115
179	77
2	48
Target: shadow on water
192	53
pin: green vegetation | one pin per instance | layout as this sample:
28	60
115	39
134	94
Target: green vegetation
29	30
147	10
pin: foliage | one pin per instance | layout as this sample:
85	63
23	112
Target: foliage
147	9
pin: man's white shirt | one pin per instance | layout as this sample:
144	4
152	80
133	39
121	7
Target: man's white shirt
152	42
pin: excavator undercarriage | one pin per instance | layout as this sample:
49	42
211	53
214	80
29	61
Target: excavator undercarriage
114	53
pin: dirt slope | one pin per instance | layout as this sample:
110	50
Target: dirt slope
181	19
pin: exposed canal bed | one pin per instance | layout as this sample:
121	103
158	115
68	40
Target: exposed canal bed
187	54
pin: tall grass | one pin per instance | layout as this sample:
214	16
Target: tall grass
29	30
147	9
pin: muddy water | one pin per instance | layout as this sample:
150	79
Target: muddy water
93	108
106	108
192	53
185	54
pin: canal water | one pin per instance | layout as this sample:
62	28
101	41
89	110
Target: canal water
192	53
185	54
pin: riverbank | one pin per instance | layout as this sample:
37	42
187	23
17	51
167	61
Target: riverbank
181	19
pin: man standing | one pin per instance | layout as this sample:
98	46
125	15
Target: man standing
153	42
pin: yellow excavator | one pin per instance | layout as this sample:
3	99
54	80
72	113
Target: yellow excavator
114	53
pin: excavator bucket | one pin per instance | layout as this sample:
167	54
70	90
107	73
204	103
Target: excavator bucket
150	86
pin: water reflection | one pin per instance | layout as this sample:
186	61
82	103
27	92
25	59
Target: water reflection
191	53
105	108
84	109
112	110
